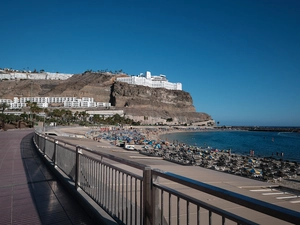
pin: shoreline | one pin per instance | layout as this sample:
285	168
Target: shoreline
291	182
269	170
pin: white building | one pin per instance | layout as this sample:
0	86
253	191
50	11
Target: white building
16	75
151	81
71	104
17	105
103	104
106	113
8	101
43	102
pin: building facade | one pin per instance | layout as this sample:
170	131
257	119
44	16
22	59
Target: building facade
151	81
44	102
28	75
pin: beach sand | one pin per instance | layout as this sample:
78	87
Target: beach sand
155	134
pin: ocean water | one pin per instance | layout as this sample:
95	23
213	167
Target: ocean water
264	144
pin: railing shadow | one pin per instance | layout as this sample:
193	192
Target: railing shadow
52	202
62	165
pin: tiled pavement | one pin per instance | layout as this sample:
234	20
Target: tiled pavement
29	193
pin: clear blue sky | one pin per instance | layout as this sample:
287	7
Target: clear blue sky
239	59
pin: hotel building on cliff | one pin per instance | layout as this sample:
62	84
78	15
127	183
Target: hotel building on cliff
151	81
143	79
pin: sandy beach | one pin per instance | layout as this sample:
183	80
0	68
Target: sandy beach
147	141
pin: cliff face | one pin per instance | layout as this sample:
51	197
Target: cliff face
126	95
139	102
157	104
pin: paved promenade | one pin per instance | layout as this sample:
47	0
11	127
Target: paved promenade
29	193
268	192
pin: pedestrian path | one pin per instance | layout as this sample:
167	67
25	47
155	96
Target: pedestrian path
266	192
29	193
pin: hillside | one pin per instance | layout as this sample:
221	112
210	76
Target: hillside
137	101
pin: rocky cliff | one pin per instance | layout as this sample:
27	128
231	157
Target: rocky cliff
158	104
138	102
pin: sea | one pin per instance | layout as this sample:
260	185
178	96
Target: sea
280	145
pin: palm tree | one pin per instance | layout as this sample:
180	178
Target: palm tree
63	115
34	108
96	118
76	115
57	113
46	111
4	106
24	116
68	115
28	103
83	115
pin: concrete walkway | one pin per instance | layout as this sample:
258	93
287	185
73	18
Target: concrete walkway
267	192
29	193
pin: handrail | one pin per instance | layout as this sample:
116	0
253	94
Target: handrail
207	206
148	185
255	204
108	156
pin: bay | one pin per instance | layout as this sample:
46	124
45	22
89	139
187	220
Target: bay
264	144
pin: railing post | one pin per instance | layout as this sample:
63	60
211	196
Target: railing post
55	153
156	211
35	139
38	140
77	168
44	149
147	197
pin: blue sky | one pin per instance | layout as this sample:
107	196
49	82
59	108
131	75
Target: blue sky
239	60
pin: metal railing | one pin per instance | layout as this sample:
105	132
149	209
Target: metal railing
139	197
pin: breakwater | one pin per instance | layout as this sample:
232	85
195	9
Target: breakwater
269	129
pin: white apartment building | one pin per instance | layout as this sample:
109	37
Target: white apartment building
71	104
28	75
151	81
43	102
106	113
103	104
44	99
8	101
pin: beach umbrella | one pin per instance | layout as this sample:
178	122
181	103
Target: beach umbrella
210	157
251	161
158	146
254	171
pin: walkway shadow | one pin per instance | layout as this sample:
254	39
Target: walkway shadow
53	202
